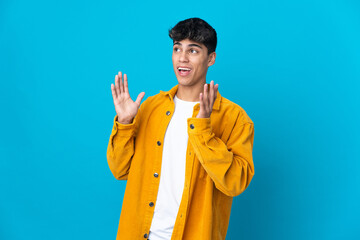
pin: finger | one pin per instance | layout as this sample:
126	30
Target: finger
121	85
211	93
117	90
216	87
113	92
201	97
139	98
206	99
126	88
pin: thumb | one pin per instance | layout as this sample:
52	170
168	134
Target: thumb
139	98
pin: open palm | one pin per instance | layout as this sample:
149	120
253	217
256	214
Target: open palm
126	109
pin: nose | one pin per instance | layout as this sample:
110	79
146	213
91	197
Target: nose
183	57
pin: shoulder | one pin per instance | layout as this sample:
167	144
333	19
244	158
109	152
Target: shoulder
232	109
153	101
161	97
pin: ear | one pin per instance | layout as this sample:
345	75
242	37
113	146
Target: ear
211	58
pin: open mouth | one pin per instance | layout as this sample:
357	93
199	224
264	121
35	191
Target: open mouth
184	71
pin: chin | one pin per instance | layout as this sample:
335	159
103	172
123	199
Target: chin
185	81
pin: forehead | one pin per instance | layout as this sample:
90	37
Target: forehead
189	43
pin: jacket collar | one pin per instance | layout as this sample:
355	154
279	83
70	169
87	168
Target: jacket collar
173	91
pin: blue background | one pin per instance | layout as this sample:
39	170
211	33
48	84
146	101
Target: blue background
293	66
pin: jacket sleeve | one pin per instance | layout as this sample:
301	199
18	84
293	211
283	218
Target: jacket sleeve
229	165
121	147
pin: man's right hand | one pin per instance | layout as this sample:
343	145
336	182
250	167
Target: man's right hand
126	109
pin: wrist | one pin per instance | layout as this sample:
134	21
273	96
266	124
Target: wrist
202	116
124	121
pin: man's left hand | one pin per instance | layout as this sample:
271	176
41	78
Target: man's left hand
207	99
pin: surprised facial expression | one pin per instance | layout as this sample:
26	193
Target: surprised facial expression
191	61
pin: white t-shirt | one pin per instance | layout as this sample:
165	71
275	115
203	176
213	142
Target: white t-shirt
172	175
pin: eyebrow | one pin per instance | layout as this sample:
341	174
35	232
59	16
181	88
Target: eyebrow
190	45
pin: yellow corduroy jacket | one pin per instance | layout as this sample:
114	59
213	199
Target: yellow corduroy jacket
219	166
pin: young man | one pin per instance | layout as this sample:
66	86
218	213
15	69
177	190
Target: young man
185	153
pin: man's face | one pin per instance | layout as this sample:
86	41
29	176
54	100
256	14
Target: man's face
191	62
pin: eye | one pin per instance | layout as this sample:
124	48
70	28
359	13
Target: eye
176	49
193	51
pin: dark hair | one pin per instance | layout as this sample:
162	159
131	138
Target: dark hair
195	29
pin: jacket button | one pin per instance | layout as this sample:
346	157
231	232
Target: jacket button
158	143
145	235
168	113
151	204
156	174
192	126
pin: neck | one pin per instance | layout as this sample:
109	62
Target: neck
190	93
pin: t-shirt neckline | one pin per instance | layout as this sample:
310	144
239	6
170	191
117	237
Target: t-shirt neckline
183	101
